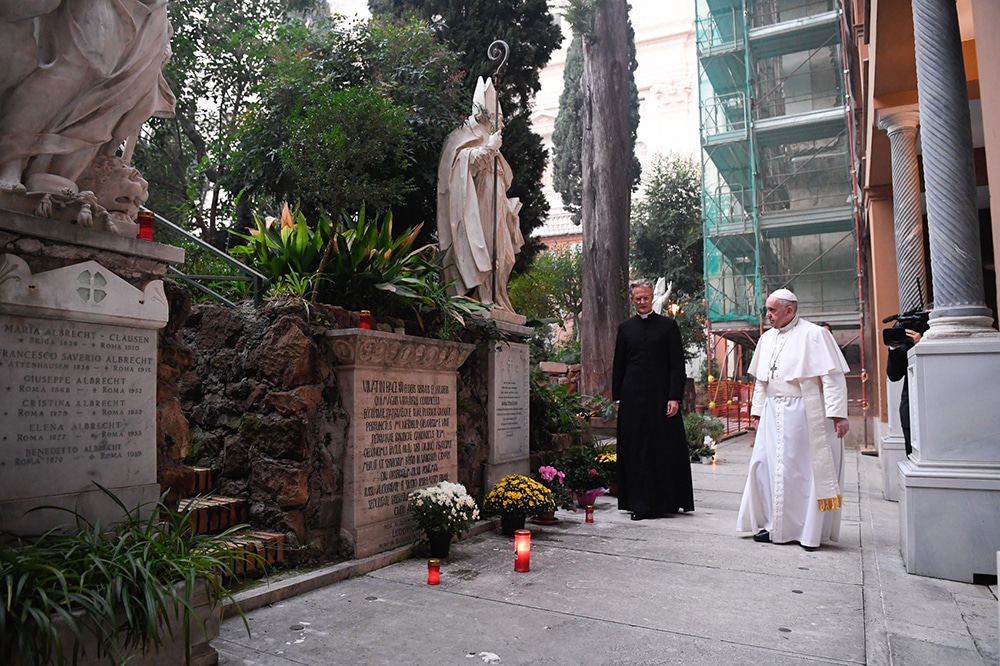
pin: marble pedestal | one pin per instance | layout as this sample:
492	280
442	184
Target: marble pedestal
950	486
400	393
78	369
892	446
507	411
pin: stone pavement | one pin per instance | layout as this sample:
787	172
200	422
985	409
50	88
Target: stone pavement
677	590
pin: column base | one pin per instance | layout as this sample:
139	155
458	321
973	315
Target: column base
947	519
891	452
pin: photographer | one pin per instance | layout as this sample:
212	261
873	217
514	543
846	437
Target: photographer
907	331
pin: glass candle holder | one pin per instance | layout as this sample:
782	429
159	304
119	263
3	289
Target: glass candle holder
145	221
522	551
367	321
433	571
590	513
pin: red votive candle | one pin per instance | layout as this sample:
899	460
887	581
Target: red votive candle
145	225
590	513
522	550
367	321
433	572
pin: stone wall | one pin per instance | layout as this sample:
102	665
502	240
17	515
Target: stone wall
251	393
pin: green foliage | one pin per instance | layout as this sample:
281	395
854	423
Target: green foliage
345	148
365	267
667	240
696	428
666	225
350	111
554	409
118	585
567	136
551	288
584	470
218	51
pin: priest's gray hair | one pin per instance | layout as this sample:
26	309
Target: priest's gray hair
641	282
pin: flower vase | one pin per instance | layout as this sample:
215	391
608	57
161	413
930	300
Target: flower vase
439	544
509	523
587	498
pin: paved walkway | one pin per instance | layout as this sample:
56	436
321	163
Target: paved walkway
677	590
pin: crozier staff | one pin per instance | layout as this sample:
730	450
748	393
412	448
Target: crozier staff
799	409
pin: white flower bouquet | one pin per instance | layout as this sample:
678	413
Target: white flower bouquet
445	508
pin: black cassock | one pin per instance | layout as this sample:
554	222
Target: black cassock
654	466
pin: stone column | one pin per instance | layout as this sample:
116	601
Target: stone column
901	124
949	173
950	484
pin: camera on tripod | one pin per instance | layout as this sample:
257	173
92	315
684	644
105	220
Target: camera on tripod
914	320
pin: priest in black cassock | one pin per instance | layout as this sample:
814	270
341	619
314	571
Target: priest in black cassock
654	466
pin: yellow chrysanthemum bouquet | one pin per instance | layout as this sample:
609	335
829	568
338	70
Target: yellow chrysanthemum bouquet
518	495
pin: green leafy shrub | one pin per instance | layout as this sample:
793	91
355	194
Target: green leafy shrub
116	585
699	426
358	264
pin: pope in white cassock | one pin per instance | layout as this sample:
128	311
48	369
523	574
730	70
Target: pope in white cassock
799	408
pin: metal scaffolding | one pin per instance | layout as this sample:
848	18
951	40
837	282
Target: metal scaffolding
779	195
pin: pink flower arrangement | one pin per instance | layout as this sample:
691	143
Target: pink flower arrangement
548	473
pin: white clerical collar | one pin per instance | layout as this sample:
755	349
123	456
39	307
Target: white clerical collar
643	316
790	325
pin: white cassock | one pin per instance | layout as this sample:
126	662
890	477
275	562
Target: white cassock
793	486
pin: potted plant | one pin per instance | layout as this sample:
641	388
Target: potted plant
514	498
702	433
92	595
442	511
555	481
586	476
606	456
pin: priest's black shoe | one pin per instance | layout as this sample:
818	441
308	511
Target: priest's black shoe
762	537
810	549
639	516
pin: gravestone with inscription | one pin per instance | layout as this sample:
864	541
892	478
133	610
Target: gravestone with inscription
400	394
507	411
78	367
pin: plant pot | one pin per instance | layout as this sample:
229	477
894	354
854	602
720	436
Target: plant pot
707	460
546	519
202	628
439	544
613	489
587	498
510	523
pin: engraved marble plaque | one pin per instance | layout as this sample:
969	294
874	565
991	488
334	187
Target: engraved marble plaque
400	393
78	366
507	410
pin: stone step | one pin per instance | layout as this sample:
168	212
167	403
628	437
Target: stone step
259	551
212	514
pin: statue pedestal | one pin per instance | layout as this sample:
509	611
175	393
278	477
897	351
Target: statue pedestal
400	394
507	411
78	371
950	485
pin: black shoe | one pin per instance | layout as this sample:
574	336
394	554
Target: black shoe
762	537
639	516
811	549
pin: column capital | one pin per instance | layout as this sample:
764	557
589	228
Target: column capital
898	118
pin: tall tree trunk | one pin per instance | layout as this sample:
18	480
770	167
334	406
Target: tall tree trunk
607	176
